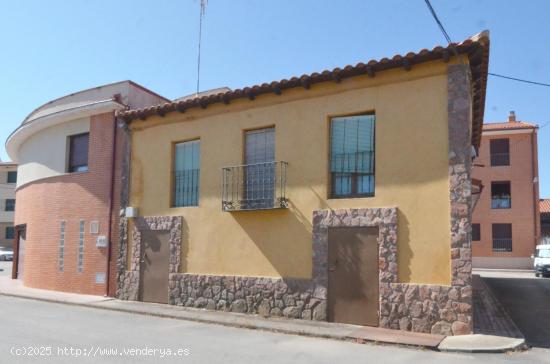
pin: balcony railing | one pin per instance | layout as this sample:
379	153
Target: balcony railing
500	159
257	186
501	203
502	245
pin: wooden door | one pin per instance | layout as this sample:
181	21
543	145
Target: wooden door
155	253
353	294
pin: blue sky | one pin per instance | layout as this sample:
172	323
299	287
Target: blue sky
52	48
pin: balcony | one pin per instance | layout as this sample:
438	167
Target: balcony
501	203
259	186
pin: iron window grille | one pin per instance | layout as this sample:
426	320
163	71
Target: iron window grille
186	174
502	245
502	237
257	186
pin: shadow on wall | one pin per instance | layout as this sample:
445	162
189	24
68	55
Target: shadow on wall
184	245
404	251
284	238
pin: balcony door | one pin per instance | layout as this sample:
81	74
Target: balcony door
259	170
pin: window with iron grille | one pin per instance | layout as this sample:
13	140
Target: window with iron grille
501	197
12	176
186	174
10	232
80	261
78	153
259	169
352	156
500	152
10	204
61	253
476	232
502	237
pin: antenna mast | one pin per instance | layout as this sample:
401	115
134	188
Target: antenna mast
201	15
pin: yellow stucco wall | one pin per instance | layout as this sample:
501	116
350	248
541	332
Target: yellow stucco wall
411	173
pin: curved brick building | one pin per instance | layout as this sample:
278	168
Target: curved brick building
67	204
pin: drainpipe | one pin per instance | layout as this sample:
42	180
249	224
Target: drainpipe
534	168
111	202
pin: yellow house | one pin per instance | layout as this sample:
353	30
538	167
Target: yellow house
339	196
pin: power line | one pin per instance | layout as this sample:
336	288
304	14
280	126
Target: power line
519	79
449	40
441	27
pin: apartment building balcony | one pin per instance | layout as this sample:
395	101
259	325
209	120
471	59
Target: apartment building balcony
501	203
258	186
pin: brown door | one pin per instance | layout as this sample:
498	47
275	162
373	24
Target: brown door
353	275
154	266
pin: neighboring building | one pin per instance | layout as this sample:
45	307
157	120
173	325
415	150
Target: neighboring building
506	220
545	221
267	199
8	179
67	205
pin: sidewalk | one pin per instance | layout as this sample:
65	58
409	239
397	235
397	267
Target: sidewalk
494	330
346	332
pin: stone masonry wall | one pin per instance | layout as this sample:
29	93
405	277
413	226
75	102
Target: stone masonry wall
292	298
445	310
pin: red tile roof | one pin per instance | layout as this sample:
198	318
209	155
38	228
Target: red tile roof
476	48
544	205
508	126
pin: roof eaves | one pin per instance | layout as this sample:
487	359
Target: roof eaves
477	49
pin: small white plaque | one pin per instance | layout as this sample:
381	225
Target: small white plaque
101	241
100	278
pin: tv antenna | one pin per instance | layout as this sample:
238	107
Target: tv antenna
201	16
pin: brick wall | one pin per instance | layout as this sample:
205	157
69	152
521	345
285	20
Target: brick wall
524	212
42	204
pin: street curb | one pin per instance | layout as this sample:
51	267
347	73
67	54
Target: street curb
514	343
519	345
228	323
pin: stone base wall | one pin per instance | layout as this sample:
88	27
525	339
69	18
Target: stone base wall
435	309
292	298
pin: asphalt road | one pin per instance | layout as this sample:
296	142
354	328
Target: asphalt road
68	334
527	300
